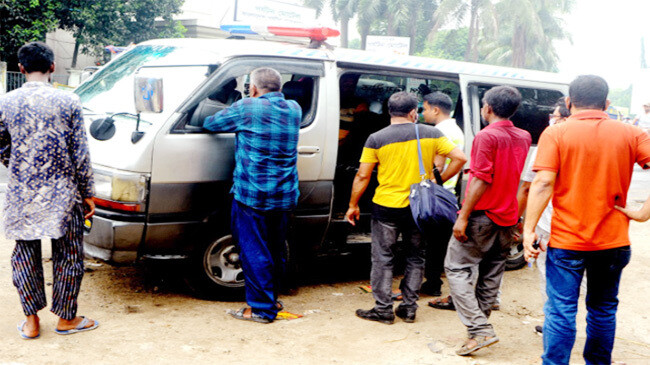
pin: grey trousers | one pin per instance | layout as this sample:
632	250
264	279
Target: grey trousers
384	240
474	270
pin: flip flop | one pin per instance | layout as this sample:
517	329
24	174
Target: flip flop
21	325
239	314
481	342
81	327
439	304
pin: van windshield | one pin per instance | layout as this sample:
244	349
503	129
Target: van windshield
111	89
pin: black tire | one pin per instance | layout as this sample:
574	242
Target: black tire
215	270
515	259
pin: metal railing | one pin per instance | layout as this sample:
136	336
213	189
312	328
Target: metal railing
16	79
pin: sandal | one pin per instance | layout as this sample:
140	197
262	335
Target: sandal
81	327
247	314
481	342
442	303
21	327
397	295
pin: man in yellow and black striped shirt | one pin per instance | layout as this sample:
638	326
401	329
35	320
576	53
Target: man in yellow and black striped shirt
394	151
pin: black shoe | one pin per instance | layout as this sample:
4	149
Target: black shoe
539	330
406	314
373	315
430	289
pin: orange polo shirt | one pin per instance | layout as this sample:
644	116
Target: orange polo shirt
593	157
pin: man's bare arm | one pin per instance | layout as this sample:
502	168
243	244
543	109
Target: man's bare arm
541	191
361	181
458	159
475	191
640	215
439	162
522	196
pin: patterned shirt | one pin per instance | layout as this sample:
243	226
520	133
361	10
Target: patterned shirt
43	144
266	175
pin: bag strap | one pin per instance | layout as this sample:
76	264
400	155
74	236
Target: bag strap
436	174
423	174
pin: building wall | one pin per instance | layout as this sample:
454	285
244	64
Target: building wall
62	42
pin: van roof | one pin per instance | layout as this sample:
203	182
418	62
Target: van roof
351	57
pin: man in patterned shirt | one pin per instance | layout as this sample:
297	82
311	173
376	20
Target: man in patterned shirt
43	144
265	186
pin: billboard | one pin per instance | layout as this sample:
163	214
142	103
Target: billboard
273	12
394	45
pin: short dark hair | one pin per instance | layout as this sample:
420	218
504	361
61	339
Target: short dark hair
266	78
564	111
504	100
589	92
36	57
401	104
439	99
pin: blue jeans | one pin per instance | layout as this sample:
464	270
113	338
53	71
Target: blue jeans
564	271
260	236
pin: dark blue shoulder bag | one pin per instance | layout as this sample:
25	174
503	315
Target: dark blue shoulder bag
431	204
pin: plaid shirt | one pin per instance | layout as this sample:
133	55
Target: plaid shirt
266	175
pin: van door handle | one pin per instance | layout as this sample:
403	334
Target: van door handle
308	150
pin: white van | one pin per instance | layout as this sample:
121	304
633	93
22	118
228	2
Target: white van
162	182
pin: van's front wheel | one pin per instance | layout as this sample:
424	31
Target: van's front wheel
215	270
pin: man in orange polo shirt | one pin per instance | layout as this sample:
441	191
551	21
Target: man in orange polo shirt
586	165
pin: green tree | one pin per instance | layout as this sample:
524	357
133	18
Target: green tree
97	23
482	20
621	97
23	21
342	12
526	31
449	44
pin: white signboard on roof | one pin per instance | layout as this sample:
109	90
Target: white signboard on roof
393	45
277	13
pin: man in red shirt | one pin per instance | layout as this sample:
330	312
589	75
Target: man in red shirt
476	256
587	233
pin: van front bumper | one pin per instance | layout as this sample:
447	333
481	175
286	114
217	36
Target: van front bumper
113	240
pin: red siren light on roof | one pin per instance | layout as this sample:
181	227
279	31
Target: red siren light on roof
315	34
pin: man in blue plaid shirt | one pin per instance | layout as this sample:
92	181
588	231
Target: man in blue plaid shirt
265	186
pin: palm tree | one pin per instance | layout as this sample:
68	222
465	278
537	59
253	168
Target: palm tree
527	29
342	12
482	18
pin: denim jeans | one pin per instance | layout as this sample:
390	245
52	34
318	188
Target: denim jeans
564	271
260	236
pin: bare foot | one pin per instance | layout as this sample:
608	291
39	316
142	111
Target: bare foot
68	324
32	326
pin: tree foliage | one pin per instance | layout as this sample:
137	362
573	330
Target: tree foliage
23	21
97	23
517	33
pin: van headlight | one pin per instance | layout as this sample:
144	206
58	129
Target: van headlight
120	190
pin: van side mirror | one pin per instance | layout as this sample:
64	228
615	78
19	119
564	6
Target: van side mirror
148	93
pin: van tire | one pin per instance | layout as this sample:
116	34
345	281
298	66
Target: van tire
515	259
215	272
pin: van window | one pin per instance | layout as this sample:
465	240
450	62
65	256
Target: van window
533	113
234	85
111	89
363	111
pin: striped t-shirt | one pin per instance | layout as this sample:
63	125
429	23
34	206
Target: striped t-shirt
395	149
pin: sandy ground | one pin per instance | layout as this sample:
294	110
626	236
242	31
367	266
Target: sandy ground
147	316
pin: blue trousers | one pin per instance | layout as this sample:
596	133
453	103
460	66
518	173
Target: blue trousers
261	236
68	270
564	271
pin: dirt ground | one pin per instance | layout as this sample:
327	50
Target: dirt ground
147	316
